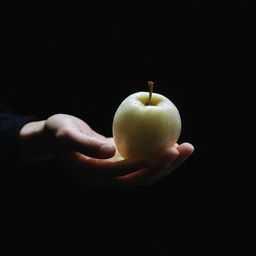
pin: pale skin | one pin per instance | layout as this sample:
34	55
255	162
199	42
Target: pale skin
87	154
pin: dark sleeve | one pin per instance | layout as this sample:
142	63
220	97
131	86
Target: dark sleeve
10	125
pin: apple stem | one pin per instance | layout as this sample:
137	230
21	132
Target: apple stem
150	88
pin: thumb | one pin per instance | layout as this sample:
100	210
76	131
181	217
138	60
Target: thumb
90	146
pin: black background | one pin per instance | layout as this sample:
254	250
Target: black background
84	59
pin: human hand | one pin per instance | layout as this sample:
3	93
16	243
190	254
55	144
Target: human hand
117	172
87	154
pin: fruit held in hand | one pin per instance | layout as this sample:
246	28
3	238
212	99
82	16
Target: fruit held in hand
144	124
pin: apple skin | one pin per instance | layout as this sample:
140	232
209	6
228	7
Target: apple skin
141	130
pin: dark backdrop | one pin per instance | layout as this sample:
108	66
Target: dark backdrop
84	59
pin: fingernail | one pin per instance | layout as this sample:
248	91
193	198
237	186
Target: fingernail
106	150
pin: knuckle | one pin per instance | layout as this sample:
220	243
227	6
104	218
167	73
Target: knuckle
63	134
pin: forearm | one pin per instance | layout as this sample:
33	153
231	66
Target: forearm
34	144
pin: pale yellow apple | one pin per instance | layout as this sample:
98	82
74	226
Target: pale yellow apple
141	129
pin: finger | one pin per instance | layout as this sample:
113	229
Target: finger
102	168
163	165
71	139
185	150
169	161
149	175
115	169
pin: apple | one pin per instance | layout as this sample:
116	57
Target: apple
144	124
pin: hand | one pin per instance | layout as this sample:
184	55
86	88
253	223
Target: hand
88	154
59	133
127	173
